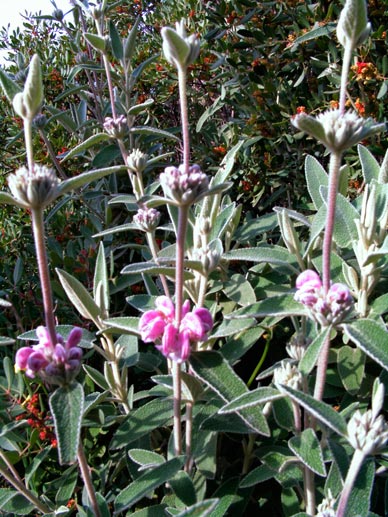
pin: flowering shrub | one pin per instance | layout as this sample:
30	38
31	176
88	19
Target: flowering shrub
225	355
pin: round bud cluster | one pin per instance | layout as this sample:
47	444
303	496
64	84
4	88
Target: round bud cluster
184	187
36	188
116	127
147	219
57	363
137	161
367	432
327	309
288	375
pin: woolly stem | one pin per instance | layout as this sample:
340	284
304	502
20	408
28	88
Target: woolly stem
85	473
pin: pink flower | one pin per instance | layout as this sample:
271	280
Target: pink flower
159	326
308	280
56	363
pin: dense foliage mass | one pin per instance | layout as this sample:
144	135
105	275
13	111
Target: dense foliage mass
200	260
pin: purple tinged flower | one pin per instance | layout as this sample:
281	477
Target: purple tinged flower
308	280
147	219
74	337
325	308
184	187
159	326
56	363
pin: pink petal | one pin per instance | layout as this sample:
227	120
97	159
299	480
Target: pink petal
151	326
309	279
205	317
165	306
74	337
21	357
192	324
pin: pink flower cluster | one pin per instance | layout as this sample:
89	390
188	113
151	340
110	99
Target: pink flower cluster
184	187
159	326
57	364
326	309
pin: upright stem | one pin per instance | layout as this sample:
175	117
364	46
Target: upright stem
354	469
28	142
85	473
176	376
180	256
44	274
22	489
334	171
344	77
182	76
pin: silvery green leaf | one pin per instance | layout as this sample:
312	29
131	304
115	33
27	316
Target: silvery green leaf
353	27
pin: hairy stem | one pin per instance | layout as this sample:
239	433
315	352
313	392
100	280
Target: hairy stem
354	469
182	76
22	489
85	473
176	375
44	274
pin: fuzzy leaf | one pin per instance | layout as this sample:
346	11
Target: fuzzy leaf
360	497
238	289
316	176
218	375
86	177
97	42
79	296
202	509
115	40
320	410
252	398
14	503
273	255
282	305
257	475
101	281
310	357
139	108
127	324
66	405
308	449
10	88
86	144
7	199
145	459
153	131
183	487
142	421
370	166
351	367
147	482
371	337
129	44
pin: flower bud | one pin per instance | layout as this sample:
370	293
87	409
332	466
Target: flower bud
288	375
366	432
33	89
147	219
353	27
336	130
137	161
35	189
117	127
179	49
184	188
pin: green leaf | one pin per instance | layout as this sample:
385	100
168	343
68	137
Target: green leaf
10	88
183	487
282	305
139	108
127	324
87	177
202	509
370	166
316	176
146	483
14	503
371	337
227	495
79	297
238	289
273	255
315	33
145	459
142	421
221	223
6	341
153	131
89	142
97	377
101	282
257	475
351	367
97	42
320	410
310	357
129	44
255	397
7	199
212	369
115	40
227	164
308	449
233	326
66	405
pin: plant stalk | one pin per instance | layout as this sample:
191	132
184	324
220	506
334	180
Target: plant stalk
85	473
354	468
